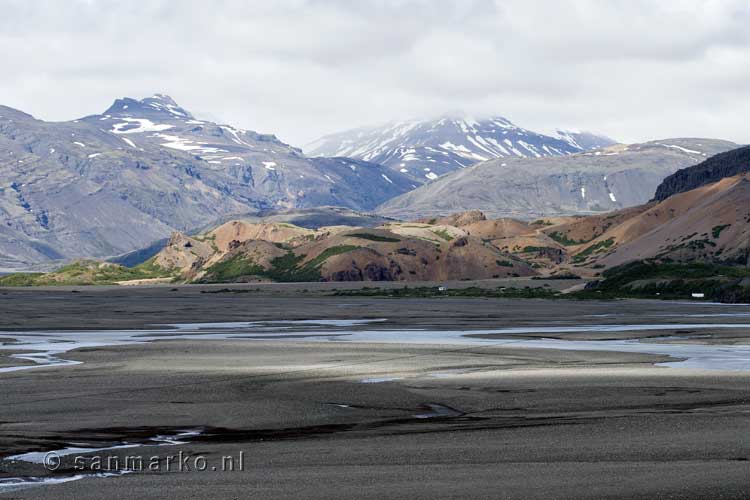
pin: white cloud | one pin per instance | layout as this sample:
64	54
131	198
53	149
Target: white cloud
636	70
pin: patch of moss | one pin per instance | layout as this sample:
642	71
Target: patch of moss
716	230
532	249
286	268
330	252
207	238
689	236
595	248
564	240
542	222
690	245
444	234
373	237
232	269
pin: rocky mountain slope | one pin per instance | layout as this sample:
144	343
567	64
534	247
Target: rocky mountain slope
707	224
595	181
110	183
713	169
425	150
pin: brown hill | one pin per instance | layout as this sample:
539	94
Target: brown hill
275	232
581	230
497	228
238	251
458	219
708	224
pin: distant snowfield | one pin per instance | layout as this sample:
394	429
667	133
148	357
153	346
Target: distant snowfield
182	144
144	125
684	150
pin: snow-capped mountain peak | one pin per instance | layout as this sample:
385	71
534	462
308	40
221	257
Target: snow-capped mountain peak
426	149
158	104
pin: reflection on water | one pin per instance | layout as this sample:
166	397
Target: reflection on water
45	348
37	457
379	380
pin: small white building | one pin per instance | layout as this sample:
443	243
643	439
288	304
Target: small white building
697	295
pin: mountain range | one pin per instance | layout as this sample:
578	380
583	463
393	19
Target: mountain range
117	181
424	150
692	239
120	182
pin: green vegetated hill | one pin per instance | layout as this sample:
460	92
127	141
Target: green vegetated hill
88	272
665	280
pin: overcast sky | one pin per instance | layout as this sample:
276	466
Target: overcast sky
635	70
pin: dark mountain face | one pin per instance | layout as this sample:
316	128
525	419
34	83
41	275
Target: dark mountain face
111	183
713	169
425	150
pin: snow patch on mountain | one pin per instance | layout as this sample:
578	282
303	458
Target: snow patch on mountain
137	126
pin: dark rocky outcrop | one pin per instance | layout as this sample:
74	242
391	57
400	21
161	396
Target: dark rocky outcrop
371	272
712	170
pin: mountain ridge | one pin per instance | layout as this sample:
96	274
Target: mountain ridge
596	181
427	149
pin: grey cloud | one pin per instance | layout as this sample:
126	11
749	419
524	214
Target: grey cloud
300	68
